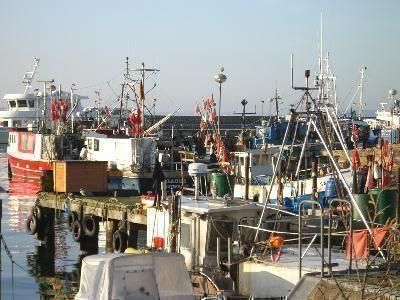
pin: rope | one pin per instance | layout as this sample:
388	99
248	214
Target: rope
215	227
13	262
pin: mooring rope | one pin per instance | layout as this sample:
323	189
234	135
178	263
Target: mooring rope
13	262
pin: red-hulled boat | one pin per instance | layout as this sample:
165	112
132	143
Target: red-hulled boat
27	157
31	155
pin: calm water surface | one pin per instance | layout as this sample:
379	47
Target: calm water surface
40	271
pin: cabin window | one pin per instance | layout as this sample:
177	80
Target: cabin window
96	145
12	103
90	144
16	123
22	103
5	123
186	237
31	103
222	229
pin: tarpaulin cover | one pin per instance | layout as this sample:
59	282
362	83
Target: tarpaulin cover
154	275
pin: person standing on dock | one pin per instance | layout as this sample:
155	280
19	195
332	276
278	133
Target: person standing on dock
158	177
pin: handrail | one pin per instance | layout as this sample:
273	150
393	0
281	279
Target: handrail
301	232
330	233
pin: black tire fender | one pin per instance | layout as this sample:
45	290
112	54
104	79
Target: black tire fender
72	216
119	241
77	231
90	226
38	212
31	224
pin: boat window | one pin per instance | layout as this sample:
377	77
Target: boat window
90	144
31	103
5	123
16	123
22	103
222	229
96	145
185	235
12	103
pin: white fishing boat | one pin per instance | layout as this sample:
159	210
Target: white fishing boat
25	110
120	137
388	115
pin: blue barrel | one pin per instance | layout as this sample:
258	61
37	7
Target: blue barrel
330	190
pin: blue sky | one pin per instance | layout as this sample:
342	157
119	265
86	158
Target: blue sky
86	42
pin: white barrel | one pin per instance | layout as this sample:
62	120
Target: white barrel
197	169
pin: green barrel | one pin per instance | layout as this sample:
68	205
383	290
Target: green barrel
386	204
365	207
224	184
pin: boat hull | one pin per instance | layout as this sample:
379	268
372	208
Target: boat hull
33	170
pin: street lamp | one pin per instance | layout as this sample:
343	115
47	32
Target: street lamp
262	108
154	110
220	78
392	93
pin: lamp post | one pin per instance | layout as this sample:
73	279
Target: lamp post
154	110
392	93
262	108
220	78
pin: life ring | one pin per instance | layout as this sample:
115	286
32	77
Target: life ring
90	226
31	224
119	241
72	216
77	231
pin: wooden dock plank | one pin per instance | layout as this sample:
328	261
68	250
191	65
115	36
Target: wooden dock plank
101	206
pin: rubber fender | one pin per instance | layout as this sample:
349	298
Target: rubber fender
72	216
77	231
90	226
119	241
31	224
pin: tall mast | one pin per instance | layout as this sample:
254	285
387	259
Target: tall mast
142	94
360	102
98	100
28	76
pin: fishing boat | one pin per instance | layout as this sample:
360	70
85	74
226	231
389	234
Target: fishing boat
130	146
263	250
22	109
32	150
25	110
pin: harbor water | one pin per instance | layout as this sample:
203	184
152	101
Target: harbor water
30	269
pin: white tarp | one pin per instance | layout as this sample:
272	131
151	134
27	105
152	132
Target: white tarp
154	275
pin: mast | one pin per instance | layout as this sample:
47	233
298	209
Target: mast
28	76
98	99
142	94
360	103
321	71
72	107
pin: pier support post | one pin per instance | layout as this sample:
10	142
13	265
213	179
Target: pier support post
110	229
173	208
133	234
45	231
